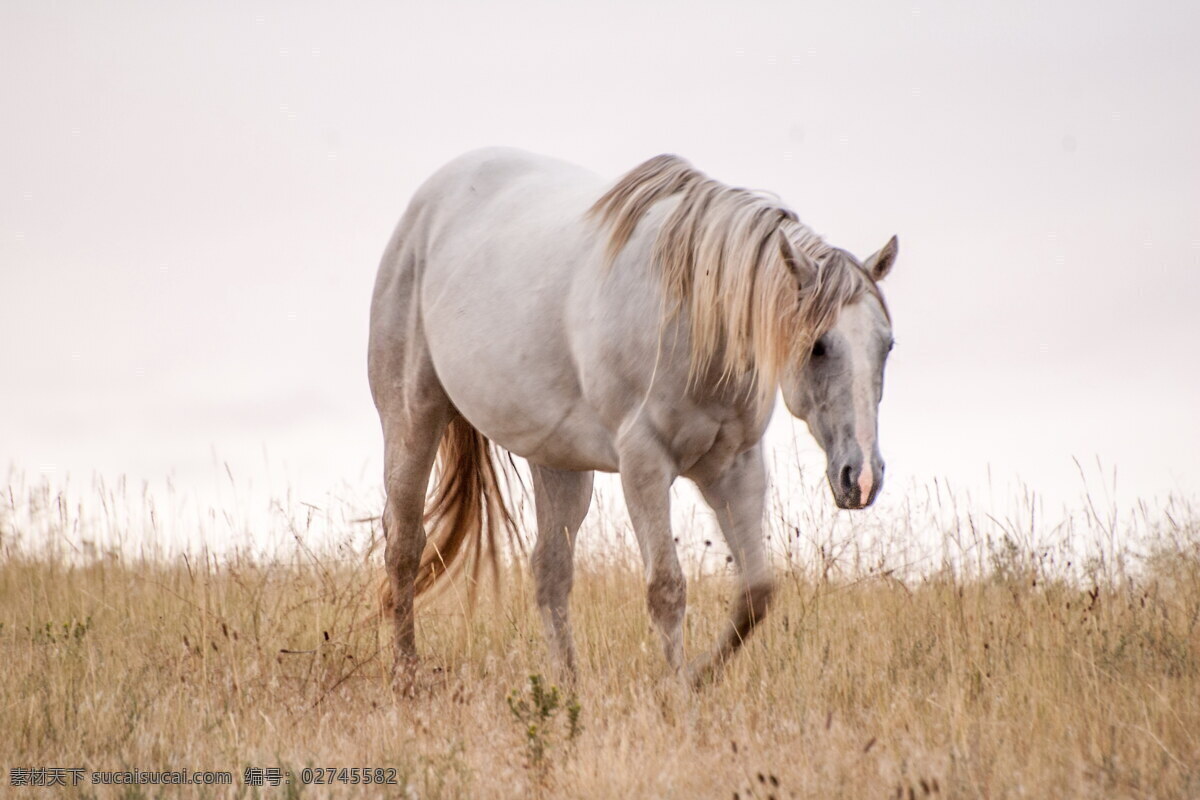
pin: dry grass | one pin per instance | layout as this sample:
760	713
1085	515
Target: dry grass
1022	676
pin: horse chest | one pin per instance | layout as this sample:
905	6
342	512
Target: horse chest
703	451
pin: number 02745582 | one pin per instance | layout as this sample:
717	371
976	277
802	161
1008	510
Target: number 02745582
349	775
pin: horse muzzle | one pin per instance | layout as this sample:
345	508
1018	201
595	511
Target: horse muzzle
855	484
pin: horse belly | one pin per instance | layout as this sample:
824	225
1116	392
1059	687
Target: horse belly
510	396
498	271
503	358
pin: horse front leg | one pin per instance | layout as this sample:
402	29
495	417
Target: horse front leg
738	497
646	476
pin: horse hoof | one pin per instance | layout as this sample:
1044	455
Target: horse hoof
404	675
703	672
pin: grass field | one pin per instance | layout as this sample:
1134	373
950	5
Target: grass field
1014	670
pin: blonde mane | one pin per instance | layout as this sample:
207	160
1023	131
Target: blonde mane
759	286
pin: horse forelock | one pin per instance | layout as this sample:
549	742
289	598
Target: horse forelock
723	254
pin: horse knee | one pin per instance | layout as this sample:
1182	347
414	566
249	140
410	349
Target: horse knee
752	606
666	596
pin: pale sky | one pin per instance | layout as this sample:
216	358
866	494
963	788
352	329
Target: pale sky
194	199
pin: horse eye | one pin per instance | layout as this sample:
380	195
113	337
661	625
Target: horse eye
818	349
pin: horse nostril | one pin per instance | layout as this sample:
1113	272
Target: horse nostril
847	482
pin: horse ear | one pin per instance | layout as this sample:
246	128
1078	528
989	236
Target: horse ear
880	264
800	265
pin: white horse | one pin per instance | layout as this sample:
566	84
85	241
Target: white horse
642	327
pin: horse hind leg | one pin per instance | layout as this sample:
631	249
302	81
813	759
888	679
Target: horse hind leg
414	411
562	499
410	449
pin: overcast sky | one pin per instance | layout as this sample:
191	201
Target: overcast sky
194	199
